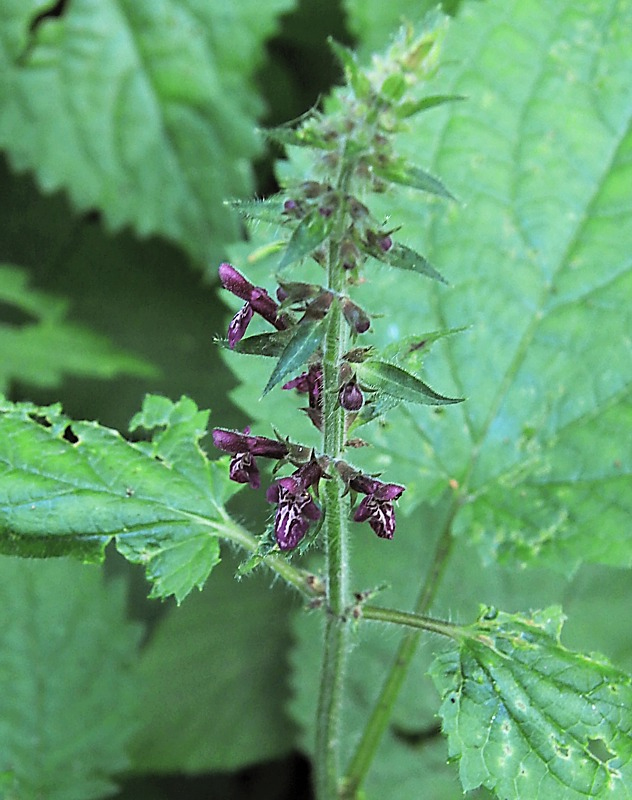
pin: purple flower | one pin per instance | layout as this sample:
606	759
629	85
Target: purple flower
243	466
350	396
355	316
311	384
377	507
296	509
257	300
238	324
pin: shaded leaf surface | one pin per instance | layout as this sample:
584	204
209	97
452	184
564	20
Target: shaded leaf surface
138	108
69	487
524	715
45	346
68	696
202	677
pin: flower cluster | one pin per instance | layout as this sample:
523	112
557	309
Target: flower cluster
296	509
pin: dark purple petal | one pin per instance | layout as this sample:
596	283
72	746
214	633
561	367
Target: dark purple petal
243	469
380	514
310	383
377	507
293	516
350	396
264	305
235	282
236	442
259	299
355	316
239	324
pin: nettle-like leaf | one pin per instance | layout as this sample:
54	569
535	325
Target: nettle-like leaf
399	384
70	487
528	718
538	259
68	691
404	257
307	336
42	347
142	109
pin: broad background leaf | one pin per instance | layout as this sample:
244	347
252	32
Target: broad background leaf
68	690
143	109
38	345
206	706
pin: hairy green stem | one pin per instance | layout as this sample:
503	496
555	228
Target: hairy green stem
336	508
382	711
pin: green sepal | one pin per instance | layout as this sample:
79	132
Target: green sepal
308	335
394	87
304	136
411	107
262	344
355	77
406	174
403	257
268	210
311	231
389	379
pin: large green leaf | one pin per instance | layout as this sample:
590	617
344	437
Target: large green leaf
538	259
200	675
529	718
143	109
44	347
68	695
69	487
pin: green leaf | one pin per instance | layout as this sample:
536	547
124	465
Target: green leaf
411	107
200	674
528	718
69	487
264	344
44	347
354	75
68	694
540	273
410	175
311	231
398	383
268	210
143	110
404	257
308	335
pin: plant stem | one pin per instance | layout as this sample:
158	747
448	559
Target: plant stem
382	711
335	528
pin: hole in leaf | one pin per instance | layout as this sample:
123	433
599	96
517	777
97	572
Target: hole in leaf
40	419
69	435
598	749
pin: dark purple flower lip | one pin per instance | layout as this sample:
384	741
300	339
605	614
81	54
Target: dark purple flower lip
296	509
377	507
